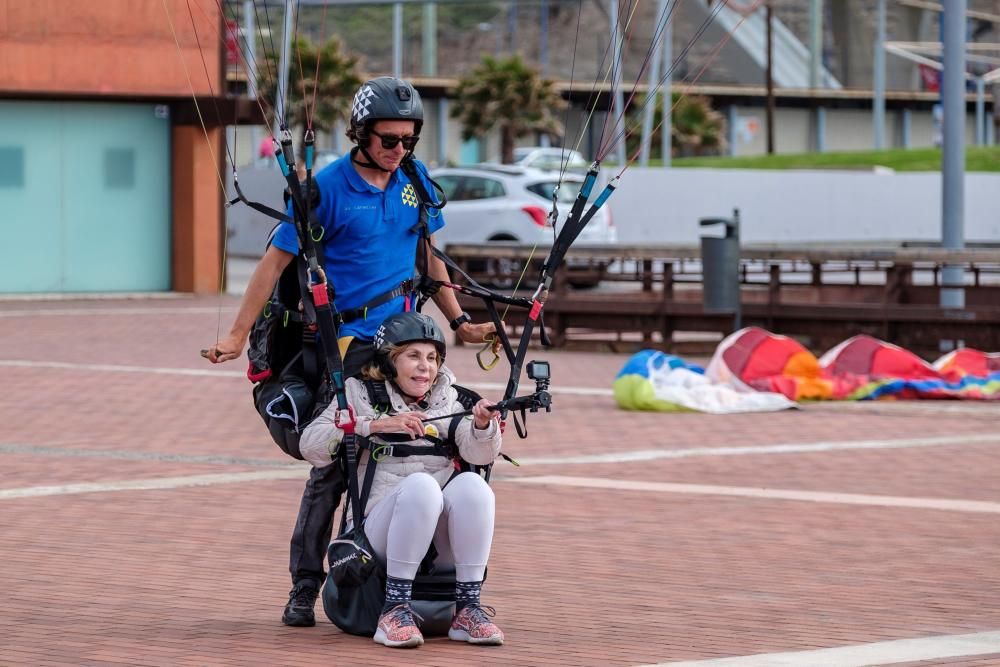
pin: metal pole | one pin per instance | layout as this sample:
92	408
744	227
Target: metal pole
430	40
731	119
878	85
543	43
907	123
512	26
397	40
250	56
820	129
980	111
442	131
769	76
543	54
650	108
667	121
616	64
286	46
815	42
953	155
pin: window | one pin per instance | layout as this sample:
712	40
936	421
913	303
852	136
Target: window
477	187
11	167
119	168
449	184
567	193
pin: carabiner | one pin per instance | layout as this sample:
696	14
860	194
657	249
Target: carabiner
496	357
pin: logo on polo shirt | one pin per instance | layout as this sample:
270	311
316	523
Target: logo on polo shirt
410	196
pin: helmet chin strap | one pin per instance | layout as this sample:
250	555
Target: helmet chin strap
371	164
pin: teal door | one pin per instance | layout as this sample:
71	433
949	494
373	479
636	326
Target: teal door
85	197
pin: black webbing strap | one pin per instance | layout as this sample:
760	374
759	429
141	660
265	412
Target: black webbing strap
378	396
310	358
321	293
260	208
354	445
350	448
425	283
351	314
366	488
380	450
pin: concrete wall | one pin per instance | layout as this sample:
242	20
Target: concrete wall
664	205
846	130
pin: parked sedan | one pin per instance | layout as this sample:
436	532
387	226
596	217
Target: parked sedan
511	203
541	157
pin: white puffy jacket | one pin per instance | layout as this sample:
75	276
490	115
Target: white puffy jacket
322	437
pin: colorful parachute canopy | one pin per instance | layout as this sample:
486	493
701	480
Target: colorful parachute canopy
758	360
861	367
965	362
655	381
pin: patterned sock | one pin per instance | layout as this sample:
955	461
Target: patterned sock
397	592
466	593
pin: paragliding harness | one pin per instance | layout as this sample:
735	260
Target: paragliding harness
355	588
294	380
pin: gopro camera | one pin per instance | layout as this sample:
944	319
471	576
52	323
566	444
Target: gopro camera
539	370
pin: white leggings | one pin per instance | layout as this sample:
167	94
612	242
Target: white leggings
458	518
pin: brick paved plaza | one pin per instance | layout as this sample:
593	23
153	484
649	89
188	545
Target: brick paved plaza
145	517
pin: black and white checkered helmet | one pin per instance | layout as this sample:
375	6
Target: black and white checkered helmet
386	98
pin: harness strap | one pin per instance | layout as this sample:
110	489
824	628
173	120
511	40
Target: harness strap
400	451
361	312
350	448
366	487
428	286
378	395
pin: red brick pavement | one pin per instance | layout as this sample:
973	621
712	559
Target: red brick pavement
197	576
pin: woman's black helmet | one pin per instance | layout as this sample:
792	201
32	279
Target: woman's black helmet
385	98
403	328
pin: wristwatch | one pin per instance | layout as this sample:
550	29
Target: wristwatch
459	321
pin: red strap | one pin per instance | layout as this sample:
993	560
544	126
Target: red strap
406	304
320	296
348	426
257	377
536	308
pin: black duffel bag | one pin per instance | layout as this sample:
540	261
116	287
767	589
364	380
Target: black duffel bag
355	590
355	587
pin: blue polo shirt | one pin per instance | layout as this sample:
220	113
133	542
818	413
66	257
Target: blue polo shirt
369	244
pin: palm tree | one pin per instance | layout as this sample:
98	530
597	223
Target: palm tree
509	94
335	84
697	128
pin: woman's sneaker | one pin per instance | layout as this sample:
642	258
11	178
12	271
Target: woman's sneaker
397	629
473	625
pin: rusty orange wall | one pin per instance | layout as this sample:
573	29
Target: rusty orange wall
114	47
197	203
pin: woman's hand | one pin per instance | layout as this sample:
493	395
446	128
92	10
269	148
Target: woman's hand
482	414
405	422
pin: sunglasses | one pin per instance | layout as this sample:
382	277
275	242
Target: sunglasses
390	141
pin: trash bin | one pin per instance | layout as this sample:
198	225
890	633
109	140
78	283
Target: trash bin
720	268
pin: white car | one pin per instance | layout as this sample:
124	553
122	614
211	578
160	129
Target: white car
511	203
552	158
